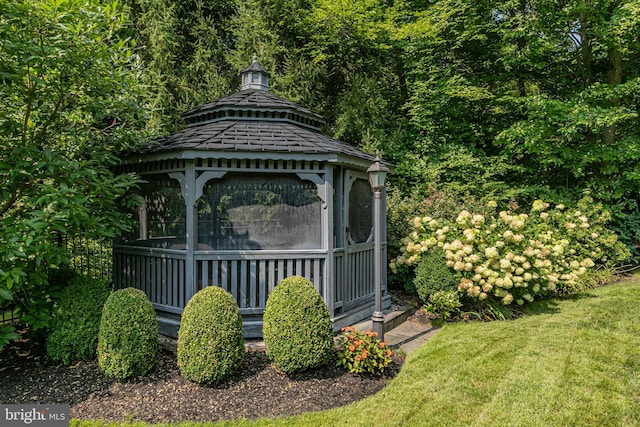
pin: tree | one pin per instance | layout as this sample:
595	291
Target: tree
580	124
183	49
527	99
68	102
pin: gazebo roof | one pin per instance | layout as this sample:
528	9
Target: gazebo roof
254	121
255	136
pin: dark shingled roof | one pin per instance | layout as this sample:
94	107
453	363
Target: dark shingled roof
254	121
250	100
254	66
254	136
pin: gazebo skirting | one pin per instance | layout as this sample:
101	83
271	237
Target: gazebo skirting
170	277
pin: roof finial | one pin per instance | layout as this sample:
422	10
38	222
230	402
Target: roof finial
255	58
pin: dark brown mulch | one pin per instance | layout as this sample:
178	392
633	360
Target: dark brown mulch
257	390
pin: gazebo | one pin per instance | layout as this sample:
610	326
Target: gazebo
249	193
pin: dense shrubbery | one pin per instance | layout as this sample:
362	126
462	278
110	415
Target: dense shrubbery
210	340
297	330
437	284
76	320
512	257
128	336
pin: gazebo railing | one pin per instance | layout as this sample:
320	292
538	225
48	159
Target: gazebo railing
160	273
248	276
163	274
354	276
251	275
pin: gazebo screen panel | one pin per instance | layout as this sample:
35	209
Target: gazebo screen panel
160	216
360	212
259	212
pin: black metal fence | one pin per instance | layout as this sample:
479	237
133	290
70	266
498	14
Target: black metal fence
89	257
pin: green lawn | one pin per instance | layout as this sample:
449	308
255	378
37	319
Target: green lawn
572	362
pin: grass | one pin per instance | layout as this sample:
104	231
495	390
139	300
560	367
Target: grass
569	362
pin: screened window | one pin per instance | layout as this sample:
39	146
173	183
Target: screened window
160	215
360	214
259	212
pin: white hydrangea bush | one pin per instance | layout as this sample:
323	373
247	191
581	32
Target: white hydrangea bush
516	257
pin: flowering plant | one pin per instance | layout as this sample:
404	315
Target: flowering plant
514	257
362	351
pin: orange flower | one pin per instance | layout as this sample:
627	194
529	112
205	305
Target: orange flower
375	334
389	352
358	357
352	347
382	344
369	334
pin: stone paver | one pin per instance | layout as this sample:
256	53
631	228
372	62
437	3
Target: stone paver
407	336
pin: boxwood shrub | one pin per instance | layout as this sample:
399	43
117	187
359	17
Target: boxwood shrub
210	339
433	275
128	336
297	330
76	320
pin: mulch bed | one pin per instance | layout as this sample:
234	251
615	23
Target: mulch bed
257	390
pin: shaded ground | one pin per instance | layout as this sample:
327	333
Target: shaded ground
257	390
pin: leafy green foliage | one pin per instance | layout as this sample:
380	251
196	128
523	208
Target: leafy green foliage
210	339
68	100
362	351
433	274
496	100
128	335
185	43
444	303
297	331
7	333
76	320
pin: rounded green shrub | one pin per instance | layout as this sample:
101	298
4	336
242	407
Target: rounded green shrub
76	320
433	275
297	330
128	336
210	339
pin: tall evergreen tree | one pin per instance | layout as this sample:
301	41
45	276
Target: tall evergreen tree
183	47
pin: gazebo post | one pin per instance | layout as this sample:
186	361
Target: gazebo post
377	175
328	227
191	228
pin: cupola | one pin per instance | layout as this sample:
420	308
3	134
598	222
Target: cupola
254	76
